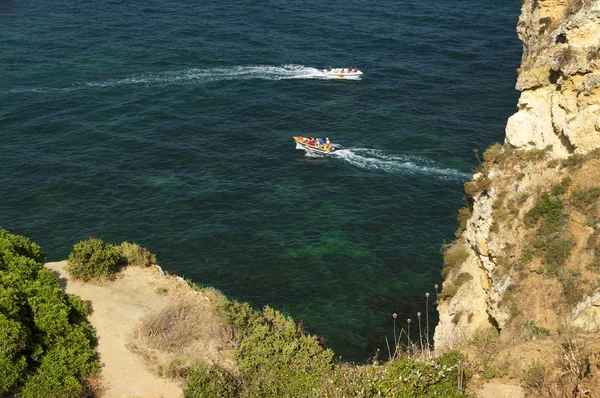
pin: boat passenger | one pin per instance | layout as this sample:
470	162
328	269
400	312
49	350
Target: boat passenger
319	141
327	141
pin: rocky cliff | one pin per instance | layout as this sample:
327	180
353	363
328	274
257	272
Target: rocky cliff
559	77
526	263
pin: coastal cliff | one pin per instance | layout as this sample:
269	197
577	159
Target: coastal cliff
559	77
522	280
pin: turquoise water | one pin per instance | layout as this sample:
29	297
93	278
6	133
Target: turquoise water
170	124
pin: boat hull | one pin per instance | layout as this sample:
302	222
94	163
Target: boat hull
339	74
302	143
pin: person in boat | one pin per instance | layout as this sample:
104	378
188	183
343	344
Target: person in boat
319	141
327	144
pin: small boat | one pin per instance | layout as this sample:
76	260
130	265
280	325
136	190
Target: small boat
306	143
341	73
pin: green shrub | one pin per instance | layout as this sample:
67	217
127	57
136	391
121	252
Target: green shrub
279	360
585	199
548	209
572	162
137	256
527	256
276	358
493	154
210	382
556	249
398	378
93	259
562	187
45	340
534	330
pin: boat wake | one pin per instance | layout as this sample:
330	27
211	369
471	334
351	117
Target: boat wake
373	159
194	76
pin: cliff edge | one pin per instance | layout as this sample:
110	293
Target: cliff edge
522	280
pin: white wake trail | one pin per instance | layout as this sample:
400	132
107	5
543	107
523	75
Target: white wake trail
372	159
195	75
190	77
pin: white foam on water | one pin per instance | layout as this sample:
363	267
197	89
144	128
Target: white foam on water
192	76
372	159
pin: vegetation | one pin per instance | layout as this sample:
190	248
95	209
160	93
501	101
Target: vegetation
533	331
450	289
544	24
137	256
45	340
487	345
494	153
586	199
534	378
171	328
275	358
93	258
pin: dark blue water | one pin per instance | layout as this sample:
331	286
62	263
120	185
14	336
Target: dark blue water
170	123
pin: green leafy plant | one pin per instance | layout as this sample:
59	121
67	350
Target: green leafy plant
534	331
549	209
137	256
93	258
45	340
208	382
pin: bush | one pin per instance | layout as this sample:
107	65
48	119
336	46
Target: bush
548	209
45	340
474	188
572	162
455	253
210	382
134	254
562	187
532	330
449	290
93	259
556	249
276	358
585	199
493	153
534	377
279	360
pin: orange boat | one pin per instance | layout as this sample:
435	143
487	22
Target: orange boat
305	143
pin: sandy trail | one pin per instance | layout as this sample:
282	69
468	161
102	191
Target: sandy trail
117	308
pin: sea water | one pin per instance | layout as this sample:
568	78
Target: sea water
170	123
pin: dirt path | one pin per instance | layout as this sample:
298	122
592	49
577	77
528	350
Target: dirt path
117	307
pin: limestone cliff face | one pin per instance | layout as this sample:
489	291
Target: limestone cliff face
559	77
559	107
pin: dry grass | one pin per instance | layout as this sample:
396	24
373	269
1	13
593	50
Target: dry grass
172	328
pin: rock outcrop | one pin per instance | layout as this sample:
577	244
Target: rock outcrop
559	77
558	116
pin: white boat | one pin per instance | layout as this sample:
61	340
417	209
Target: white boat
341	73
